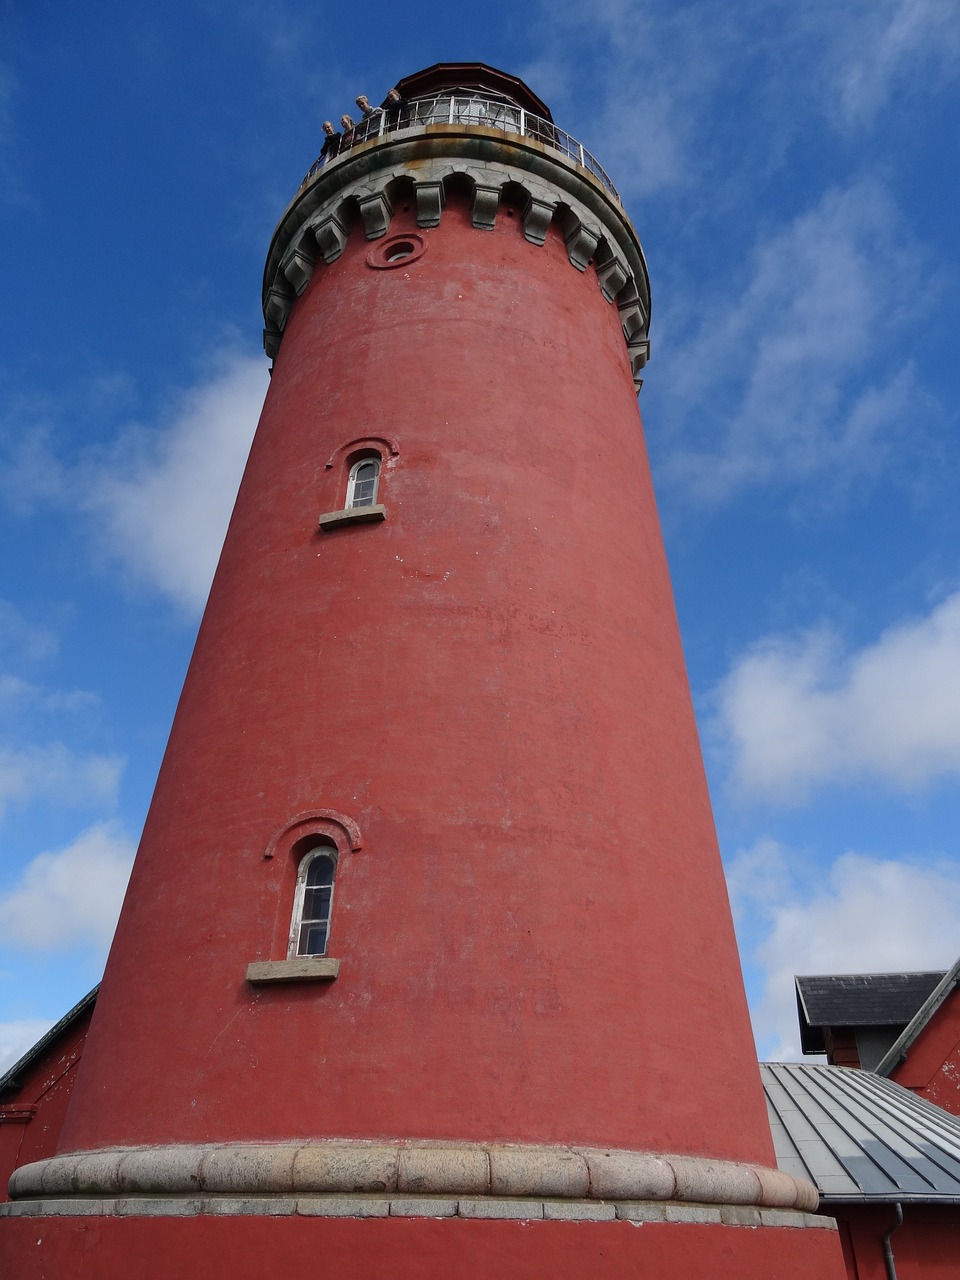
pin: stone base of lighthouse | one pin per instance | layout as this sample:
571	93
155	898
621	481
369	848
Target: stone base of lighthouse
412	1209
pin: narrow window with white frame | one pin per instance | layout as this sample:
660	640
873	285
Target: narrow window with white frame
310	929
363	482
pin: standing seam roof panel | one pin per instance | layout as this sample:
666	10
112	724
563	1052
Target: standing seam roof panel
861	1137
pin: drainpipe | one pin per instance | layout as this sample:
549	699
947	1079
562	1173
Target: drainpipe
888	1260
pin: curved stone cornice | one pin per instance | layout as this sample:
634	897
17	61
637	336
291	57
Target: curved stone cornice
316	822
354	191
450	1169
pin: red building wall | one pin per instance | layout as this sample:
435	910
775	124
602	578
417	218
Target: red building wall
31	1117
925	1247
411	1249
932	1065
840	1044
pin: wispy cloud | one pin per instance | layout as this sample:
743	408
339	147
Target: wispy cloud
162	499
867	914
155	501
784	379
18	1036
58	775
70	897
873	50
22	640
17	694
53	773
657	77
31	475
778	357
641	78
799	711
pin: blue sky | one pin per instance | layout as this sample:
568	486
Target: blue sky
793	174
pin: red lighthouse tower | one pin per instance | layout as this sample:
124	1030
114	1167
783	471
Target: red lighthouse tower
426	963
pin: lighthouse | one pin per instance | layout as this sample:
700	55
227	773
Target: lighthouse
426	963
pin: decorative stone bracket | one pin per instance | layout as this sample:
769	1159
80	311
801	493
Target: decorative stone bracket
595	231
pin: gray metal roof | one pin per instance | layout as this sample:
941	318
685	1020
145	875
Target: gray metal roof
861	1138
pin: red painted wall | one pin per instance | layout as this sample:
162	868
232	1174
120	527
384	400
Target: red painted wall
535	937
925	1247
841	1047
408	1249
43	1095
932	1065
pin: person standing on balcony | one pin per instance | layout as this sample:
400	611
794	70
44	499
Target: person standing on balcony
349	130
368	124
395	105
331	144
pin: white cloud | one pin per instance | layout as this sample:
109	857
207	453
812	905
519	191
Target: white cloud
866	915
883	48
55	773
70	897
163	498
783	380
645	79
785	363
23	640
13	690
15	693
157	500
799	711
31	473
653	81
19	1036
757	875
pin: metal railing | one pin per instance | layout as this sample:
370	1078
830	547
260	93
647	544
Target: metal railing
471	109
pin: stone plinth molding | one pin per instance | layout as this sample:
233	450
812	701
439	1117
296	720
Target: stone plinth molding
447	1169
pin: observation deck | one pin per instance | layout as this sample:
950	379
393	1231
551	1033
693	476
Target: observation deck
469	109
461	126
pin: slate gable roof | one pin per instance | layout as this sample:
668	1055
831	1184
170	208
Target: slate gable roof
859	1000
11	1079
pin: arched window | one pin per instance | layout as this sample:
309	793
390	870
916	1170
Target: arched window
363	481
314	899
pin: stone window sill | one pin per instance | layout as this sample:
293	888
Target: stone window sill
352	515
303	969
